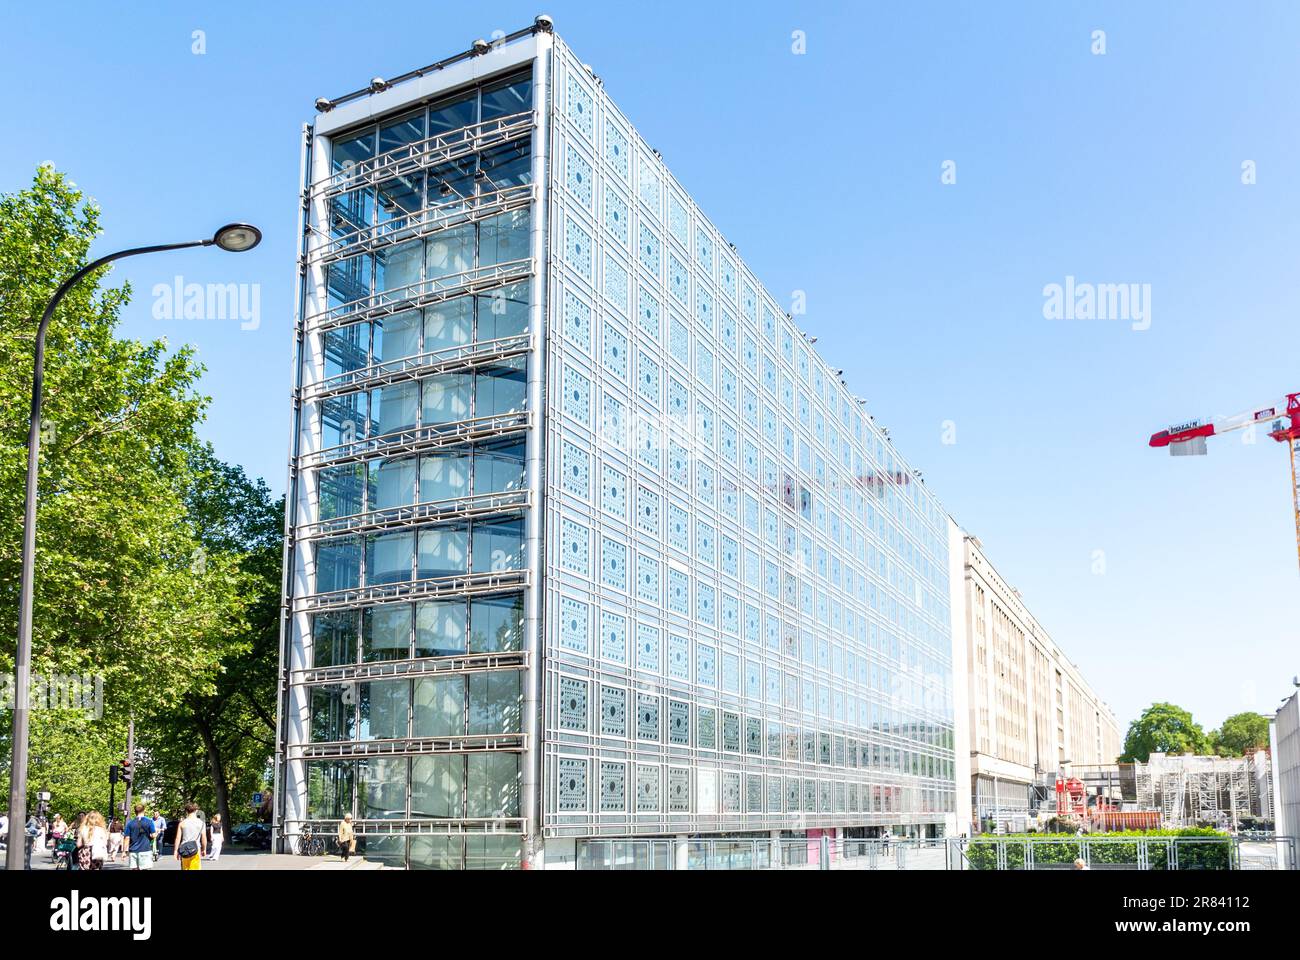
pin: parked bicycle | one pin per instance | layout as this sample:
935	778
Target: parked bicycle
310	845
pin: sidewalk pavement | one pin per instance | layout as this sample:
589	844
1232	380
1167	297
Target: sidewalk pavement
237	859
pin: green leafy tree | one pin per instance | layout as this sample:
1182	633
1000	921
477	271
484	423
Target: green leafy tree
119	594
71	754
1163	728
215	746
1241	733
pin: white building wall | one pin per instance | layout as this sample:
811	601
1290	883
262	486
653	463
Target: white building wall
1016	679
1284	737
958	592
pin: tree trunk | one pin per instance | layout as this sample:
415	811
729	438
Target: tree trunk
218	774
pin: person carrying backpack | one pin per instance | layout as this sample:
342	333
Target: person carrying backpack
139	838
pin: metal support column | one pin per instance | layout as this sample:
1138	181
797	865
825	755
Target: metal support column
532	791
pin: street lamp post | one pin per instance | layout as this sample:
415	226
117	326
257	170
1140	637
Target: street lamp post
234	237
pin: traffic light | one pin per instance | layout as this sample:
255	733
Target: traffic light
113	773
128	771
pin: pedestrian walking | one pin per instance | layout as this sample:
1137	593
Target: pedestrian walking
73	836
140	836
33	831
92	842
160	831
347	837
216	838
189	839
58	830
115	849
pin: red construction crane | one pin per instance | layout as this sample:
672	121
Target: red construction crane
1189	439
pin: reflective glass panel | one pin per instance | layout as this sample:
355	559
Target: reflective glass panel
334	638
435	853
386	633
504	237
392	483
498	546
439	628
453	114
450	252
496	624
446	398
393	408
444	475
398	266
503	312
499	468
383	797
494	702
437	788
329	788
493	786
500	389
388	557
333	713
449	324
348	280
401	132
343	419
340	491
397	336
346	348
508	97
384	705
442	553
338	564
439	707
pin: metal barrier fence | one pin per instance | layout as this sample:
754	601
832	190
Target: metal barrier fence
1046	852
762	854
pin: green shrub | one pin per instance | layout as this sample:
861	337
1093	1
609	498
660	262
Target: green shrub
1051	850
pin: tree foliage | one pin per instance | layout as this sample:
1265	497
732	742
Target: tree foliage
1163	728
153	558
216	744
1240	734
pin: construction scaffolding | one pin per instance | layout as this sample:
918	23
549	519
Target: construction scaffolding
1202	791
1184	791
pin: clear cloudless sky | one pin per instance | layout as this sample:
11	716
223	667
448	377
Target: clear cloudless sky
825	170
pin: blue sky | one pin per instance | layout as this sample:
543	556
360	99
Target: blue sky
825	170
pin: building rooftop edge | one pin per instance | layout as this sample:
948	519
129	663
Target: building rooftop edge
541	24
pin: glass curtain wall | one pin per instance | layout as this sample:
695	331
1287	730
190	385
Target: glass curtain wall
402	236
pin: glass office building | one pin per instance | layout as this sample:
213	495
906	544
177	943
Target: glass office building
587	542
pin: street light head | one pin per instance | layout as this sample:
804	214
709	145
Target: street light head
237	237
